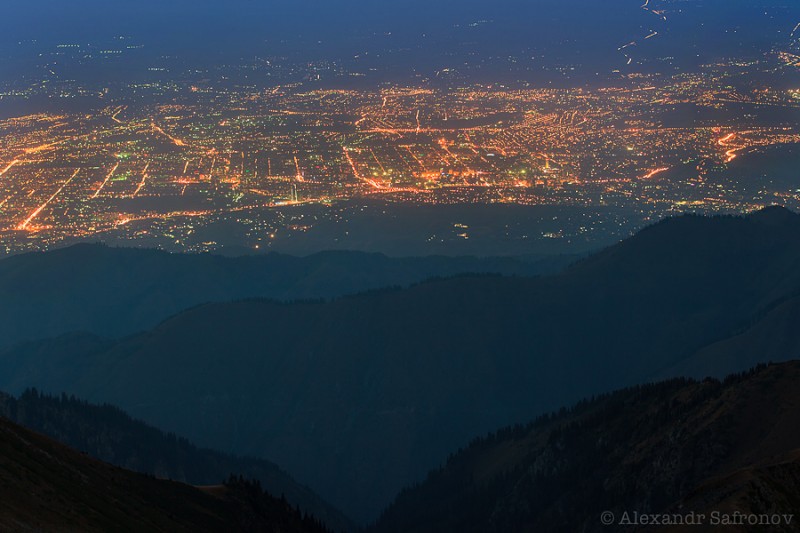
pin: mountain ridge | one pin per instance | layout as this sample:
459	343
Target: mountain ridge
391	381
114	292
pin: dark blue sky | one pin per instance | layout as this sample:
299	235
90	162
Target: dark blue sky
241	26
179	16
347	27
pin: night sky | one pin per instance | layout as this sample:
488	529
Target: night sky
585	32
215	21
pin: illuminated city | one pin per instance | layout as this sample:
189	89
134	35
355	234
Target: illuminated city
157	161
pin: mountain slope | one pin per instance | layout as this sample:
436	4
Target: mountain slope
110	435
45	486
118	291
768	493
676	447
772	336
362	395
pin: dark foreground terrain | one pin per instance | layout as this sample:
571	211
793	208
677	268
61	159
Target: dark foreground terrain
45	486
706	450
110	435
676	447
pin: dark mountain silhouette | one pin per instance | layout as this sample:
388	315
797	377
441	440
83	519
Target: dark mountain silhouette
118	291
45	486
673	447
110	435
360	396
